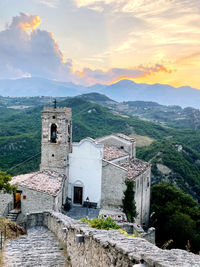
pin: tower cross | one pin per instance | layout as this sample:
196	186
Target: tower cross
55	102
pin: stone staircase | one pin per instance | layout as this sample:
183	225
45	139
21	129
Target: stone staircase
13	214
38	248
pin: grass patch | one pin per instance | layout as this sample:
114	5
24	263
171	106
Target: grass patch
142	140
11	229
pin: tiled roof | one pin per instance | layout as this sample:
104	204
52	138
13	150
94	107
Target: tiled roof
42	181
135	167
112	152
125	137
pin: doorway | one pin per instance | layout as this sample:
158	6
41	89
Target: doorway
78	195
17	200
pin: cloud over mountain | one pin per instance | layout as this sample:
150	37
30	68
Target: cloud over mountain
115	74
25	51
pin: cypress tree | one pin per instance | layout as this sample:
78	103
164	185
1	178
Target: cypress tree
129	206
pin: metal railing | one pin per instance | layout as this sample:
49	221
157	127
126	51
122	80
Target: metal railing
8	208
3	237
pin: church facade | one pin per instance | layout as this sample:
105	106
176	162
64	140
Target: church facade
91	170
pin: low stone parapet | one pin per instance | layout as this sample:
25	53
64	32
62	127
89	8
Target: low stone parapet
91	247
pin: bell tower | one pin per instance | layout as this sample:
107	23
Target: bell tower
56	139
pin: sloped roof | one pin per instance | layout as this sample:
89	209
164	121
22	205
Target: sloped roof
112	152
125	137
43	181
135	167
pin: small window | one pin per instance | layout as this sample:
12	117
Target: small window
53	133
121	147
52	155
54	117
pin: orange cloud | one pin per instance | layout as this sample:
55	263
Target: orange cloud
31	23
79	73
145	72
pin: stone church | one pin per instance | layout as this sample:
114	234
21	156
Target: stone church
90	170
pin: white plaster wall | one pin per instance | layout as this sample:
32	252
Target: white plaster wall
85	169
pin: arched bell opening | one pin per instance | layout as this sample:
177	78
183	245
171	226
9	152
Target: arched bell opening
53	133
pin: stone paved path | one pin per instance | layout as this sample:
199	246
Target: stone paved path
80	212
38	248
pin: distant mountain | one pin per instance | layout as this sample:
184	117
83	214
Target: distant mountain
37	87
124	90
127	90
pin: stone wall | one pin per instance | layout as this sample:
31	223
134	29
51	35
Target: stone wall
34	201
108	248
113	186
113	140
142	197
54	156
4	200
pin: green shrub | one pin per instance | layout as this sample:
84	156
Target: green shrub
101	223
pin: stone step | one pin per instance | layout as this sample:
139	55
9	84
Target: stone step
38	248
12	216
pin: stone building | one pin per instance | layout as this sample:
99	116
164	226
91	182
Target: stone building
91	170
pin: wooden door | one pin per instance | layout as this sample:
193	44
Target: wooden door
78	195
17	200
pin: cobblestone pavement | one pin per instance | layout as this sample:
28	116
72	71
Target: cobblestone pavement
80	212
38	248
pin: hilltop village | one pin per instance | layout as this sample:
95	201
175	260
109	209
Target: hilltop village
92	171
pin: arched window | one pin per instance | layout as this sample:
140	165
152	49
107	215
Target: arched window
53	133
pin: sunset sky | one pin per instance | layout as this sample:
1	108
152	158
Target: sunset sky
101	41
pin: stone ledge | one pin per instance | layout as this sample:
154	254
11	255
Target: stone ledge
121	250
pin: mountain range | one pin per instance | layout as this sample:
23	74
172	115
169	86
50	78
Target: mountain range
124	90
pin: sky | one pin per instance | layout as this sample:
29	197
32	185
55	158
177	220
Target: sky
101	41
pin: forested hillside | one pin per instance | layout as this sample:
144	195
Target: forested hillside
173	116
175	154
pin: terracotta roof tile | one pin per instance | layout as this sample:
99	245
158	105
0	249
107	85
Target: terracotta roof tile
112	152
42	181
125	137
135	167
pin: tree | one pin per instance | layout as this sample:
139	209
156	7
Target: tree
129	206
176	216
5	186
